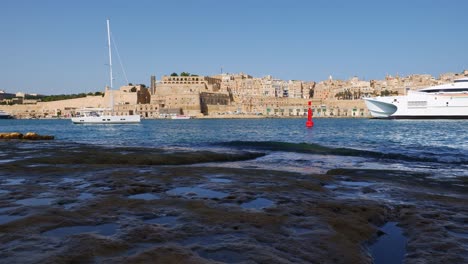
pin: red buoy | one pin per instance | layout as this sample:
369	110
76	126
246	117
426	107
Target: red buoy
309	122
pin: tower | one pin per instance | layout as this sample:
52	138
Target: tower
153	84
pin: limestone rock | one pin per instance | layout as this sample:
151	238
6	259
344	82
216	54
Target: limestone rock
27	136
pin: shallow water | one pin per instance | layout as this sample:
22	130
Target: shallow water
144	196
163	220
259	203
196	192
35	201
9	218
104	229
391	247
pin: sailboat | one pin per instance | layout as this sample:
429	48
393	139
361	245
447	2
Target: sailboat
102	115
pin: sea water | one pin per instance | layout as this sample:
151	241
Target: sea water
438	147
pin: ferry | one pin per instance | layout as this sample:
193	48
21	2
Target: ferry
446	101
5	115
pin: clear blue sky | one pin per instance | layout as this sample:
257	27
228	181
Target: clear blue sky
59	46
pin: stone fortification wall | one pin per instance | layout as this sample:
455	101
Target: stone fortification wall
64	108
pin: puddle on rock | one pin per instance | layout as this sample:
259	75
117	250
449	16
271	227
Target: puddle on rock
213	239
390	247
457	232
220	180
259	203
84	185
35	201
355	183
300	231
13	181
163	220
69	180
104	229
196	191
4	209
9	218
145	196
223	255
85	196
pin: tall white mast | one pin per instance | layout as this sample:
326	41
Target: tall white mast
111	93
110	53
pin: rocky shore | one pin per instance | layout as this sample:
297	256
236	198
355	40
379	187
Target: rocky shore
93	204
27	136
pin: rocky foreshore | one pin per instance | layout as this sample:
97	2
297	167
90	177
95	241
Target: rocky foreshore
27	136
104	205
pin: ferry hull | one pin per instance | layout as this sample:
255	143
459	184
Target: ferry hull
429	117
380	109
418	105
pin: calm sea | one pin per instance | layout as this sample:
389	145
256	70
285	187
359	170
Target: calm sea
437	147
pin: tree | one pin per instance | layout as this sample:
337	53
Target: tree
174	74
184	74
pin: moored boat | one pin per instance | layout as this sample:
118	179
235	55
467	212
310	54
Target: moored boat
446	101
101	116
180	117
5	115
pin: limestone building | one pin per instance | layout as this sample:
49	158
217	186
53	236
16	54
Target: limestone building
182	94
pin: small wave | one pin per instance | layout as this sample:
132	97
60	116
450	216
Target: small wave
312	148
135	156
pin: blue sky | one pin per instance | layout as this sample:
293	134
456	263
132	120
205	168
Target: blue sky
53	46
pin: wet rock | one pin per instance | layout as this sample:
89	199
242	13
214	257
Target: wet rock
35	136
27	136
12	135
163	254
368	190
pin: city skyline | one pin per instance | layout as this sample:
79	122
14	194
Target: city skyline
53	47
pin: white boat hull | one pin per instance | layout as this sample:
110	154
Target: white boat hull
380	108
419	106
107	119
180	117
